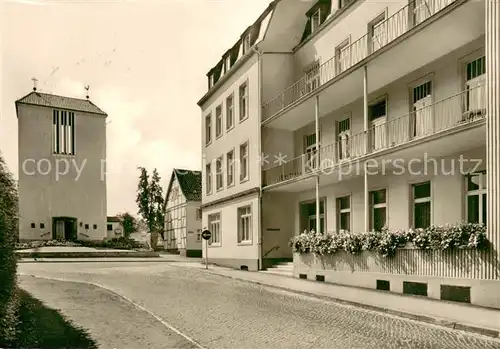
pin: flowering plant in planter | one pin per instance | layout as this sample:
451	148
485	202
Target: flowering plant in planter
386	242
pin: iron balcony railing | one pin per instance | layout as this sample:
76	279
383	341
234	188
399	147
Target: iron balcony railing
452	112
380	35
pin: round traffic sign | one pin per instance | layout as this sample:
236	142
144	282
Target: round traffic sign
206	234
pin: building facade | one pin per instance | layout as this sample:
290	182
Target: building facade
183	213
62	174
114	227
374	115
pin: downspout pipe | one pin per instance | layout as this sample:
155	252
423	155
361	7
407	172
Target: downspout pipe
259	146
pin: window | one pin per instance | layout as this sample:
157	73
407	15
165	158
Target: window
214	226
378	212
227	63
208	178
310	211
42	225
343	136
377	31
422	109
208	129
422	205
229	112
475	99
218	121
110	227
377	112
343	56
310	151
312	77
245	224
95	226
476	197
230	168
244	162
198	214
315	20
63	126
86	226
243	101
33	225
219	175
198	235
246	44
344	213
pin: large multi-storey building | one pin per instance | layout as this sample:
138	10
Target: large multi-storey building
367	114
62	168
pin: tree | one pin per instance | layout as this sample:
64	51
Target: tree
8	262
150	200
129	223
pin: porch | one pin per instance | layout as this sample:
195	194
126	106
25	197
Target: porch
456	122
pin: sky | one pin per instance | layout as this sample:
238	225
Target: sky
145	61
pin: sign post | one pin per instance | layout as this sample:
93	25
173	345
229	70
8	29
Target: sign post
206	235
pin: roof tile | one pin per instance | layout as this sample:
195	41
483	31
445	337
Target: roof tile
55	101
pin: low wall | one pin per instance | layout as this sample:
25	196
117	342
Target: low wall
434	273
117	254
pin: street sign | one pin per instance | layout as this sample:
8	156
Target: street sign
206	234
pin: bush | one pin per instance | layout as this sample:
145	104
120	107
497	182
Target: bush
8	265
386	243
121	243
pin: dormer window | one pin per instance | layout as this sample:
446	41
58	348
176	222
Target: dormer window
246	44
228	63
211	81
315	20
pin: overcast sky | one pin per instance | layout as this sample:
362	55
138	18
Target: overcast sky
145	62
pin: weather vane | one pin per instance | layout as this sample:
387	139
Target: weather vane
87	88
35	80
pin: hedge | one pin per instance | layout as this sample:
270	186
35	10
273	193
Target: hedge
386	243
9	299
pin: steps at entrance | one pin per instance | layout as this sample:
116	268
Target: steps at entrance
283	269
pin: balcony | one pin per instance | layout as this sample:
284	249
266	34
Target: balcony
453	113
352	56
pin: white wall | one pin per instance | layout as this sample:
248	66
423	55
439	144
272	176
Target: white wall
247	130
175	218
193	226
42	197
111	233
229	247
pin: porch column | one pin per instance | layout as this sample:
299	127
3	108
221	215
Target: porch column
318	159
493	132
366	144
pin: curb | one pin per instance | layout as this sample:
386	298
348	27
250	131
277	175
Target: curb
97	254
97	260
420	318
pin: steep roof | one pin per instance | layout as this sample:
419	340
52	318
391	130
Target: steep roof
55	101
112	219
189	182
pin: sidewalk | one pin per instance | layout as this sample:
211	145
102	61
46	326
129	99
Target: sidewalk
453	315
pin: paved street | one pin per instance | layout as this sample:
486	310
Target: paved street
218	312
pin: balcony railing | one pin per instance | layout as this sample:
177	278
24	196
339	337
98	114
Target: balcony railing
380	35
449	113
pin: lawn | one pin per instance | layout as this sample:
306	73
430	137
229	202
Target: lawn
45	328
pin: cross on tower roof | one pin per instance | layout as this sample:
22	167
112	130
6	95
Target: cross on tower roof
87	88
35	80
